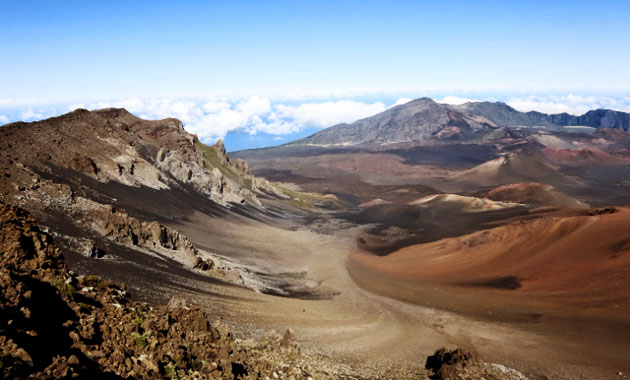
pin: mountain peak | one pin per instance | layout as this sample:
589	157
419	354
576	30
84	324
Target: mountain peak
421	100
423	120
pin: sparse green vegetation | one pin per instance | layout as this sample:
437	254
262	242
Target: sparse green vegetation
142	340
196	364
212	160
63	288
170	372
301	199
137	320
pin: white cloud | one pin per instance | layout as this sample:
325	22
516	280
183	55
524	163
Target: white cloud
75	106
274	126
327	114
215	106
455	100
29	114
251	115
134	105
3	119
254	106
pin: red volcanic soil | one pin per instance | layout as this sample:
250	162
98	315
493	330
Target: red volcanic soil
562	278
579	157
533	193
581	260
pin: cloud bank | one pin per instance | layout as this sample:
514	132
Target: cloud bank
329	113
214	118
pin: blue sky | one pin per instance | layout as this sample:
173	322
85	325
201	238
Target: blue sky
59	54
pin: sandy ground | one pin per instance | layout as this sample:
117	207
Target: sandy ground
391	323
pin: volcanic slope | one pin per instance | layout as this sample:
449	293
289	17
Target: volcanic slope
554	256
563	276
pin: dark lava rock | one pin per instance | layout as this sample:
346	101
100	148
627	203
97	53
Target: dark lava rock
447	364
96	252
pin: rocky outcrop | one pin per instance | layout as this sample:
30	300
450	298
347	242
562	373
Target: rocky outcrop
118	226
463	364
24	247
112	145
447	364
114	223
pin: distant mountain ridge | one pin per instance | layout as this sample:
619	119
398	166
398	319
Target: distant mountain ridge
425	119
506	116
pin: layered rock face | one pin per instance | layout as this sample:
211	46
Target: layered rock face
112	145
118	226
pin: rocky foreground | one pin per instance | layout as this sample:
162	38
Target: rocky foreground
55	324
